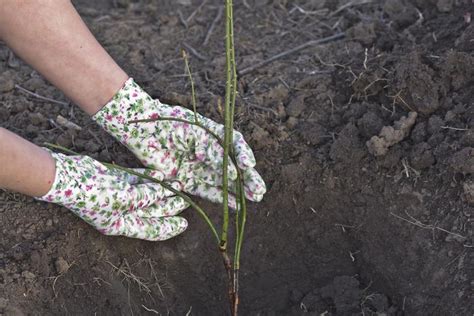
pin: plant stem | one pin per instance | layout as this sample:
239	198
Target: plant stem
229	111
201	212
193	94
240	219
228	120
233	65
240	225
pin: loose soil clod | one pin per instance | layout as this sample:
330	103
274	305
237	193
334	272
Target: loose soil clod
389	136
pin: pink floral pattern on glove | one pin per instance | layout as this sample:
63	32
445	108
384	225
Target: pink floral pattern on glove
181	151
115	202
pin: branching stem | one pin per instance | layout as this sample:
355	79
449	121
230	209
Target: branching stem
193	94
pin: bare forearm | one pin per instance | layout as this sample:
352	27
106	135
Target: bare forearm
24	167
51	36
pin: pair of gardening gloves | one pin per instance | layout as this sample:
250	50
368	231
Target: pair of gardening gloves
185	156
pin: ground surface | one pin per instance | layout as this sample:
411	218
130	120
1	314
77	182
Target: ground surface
345	229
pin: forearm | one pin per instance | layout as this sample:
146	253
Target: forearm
51	36
24	167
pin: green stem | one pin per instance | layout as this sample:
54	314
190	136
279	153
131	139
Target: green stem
243	219
233	65
193	94
201	212
241	215
228	121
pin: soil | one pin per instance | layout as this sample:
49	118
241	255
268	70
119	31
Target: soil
343	230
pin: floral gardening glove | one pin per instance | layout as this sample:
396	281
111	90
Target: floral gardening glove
115	202
181	151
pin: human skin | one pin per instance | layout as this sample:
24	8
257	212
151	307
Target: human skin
51	37
24	167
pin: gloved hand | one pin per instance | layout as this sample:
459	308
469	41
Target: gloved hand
115	202
181	151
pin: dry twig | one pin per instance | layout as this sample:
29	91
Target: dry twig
216	20
418	223
181	19
296	49
193	51
195	11
150	310
455	128
36	95
350	4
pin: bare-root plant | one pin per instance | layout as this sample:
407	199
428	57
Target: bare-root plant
231	262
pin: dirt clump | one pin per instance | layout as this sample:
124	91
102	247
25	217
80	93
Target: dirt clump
391	135
463	160
415	85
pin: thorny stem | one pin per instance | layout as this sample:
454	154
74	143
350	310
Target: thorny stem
240	220
201	212
229	111
228	120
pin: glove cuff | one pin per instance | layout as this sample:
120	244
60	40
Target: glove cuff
60	191
130	103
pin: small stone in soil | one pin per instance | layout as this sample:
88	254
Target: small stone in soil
64	140
61	265
296	106
28	275
291	122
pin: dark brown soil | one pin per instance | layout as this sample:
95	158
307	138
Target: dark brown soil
342	231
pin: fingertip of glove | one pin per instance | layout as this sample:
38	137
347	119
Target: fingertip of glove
179	204
256	198
232	174
246	159
181	225
176	226
245	165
